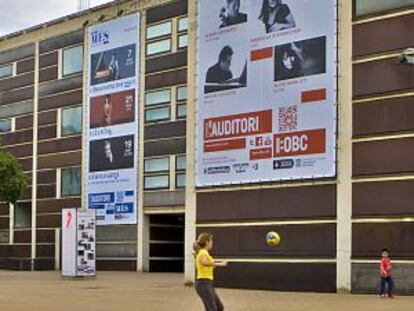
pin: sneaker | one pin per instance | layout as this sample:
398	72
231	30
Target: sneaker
391	296
381	296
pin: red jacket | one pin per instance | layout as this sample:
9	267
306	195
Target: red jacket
385	267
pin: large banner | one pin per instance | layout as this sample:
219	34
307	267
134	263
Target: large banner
112	120
266	91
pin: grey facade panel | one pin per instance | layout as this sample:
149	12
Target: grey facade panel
17	53
365	278
60	85
116	233
165	147
61	41
8	111
116	250
165	130
164	198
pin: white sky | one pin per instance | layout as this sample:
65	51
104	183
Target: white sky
16	15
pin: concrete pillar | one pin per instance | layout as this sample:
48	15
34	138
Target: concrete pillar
344	168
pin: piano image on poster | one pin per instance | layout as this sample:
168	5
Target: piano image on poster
112	65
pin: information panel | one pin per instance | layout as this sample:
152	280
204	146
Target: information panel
266	91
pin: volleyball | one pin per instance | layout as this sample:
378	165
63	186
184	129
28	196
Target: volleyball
272	238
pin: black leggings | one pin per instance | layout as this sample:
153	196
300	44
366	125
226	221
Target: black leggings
205	289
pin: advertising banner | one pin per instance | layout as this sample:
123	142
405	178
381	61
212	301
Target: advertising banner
266	91
112	120
78	242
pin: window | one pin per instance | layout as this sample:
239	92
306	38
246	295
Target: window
23	215
182	32
182	41
156	165
6	126
157	97
183	24
159	38
156	182
365	7
181	102
71	121
180	163
161	100
6	71
159	47
180	181
70	182
159	30
157	114
72	60
180	166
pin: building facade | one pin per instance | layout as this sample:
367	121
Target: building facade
332	229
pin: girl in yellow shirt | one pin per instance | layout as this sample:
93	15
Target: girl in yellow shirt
205	265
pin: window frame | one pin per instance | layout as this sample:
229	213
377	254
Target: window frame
61	195
12	70
12	125
155	176
159	171
62	61
61	112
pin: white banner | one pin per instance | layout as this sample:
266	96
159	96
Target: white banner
112	120
266	91
69	247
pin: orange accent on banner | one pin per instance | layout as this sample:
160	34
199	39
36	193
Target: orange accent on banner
300	143
258	154
239	125
313	95
261	54
231	144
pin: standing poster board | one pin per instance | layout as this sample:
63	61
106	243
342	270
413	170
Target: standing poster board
78	243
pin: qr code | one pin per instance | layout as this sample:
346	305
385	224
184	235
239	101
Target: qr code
288	118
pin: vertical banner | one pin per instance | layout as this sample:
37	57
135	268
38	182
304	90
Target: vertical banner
112	120
266	91
69	247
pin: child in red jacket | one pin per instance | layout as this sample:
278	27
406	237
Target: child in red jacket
385	273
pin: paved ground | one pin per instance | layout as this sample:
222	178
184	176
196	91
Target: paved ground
45	291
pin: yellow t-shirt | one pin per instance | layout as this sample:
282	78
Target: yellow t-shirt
204	272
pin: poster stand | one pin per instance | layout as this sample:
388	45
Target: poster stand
78	243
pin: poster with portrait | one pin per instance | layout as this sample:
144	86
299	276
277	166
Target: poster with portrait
111	116
267	75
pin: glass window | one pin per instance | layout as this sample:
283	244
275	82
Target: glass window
71	121
158	114
159	47
180	181
364	7
6	71
72	60
180	163
183	24
156	182
70	181
157	165
23	215
182	93
159	30
158	97
5	126
181	111
183	41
